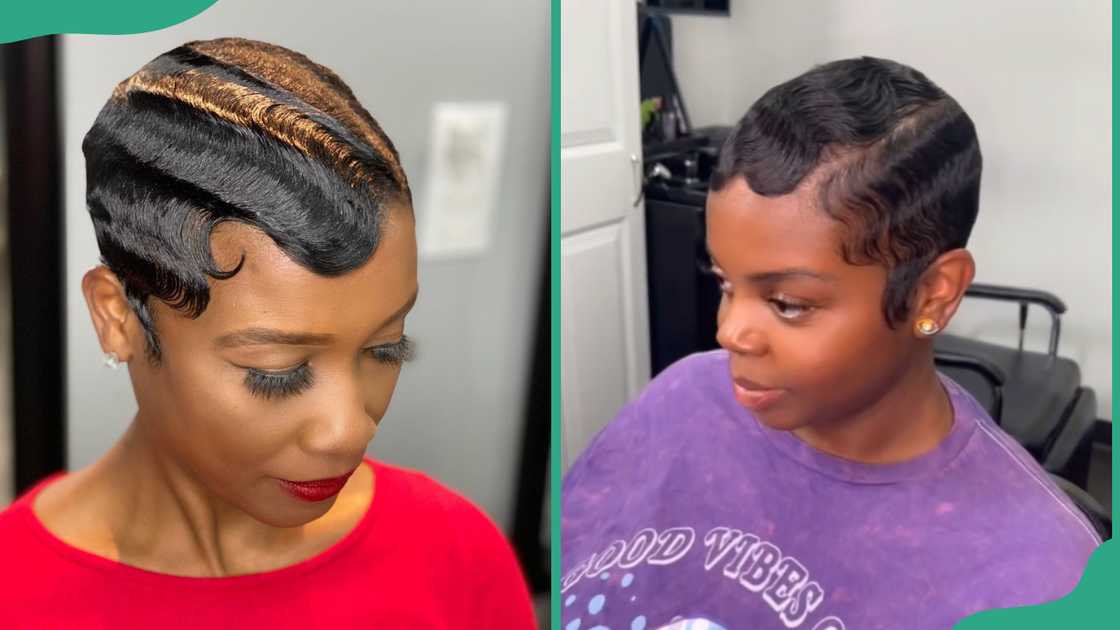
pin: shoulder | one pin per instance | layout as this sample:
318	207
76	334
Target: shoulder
700	376
13	525
430	507
424	495
26	581
1040	567
1016	486
625	465
697	385
32	571
669	408
691	384
17	519
1043	537
438	523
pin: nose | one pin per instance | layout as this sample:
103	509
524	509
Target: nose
340	427
739	333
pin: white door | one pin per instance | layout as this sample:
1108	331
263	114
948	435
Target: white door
603	309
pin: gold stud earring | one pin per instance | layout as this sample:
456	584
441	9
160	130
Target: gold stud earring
928	327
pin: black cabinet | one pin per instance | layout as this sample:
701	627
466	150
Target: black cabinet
683	295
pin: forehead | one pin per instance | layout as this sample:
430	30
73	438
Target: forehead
273	291
772	232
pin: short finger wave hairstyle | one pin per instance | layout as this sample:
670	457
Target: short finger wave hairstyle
894	158
233	130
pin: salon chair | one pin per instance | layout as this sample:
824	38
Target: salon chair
1036	397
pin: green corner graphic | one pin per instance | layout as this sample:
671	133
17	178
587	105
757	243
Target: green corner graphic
23	19
1089	603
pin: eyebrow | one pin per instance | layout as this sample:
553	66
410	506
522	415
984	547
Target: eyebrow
773	277
270	336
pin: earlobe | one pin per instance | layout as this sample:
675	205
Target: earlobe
944	285
109	311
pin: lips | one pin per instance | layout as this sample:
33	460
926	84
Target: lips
316	490
749	384
755	396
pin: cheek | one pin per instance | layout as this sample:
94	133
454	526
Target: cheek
379	383
842	349
214	417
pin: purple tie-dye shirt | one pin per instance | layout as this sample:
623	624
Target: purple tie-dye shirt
687	513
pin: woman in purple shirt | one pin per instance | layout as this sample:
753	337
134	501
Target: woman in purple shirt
817	472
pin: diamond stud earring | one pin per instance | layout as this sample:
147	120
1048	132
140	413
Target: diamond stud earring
112	360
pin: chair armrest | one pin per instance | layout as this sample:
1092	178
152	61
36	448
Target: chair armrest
1024	297
1045	299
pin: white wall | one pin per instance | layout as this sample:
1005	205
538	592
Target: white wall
458	411
1036	79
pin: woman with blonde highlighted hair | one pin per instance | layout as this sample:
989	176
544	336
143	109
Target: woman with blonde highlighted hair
259	261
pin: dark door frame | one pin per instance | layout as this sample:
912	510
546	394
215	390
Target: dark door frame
36	232
533	469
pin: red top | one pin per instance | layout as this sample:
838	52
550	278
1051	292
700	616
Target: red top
422	557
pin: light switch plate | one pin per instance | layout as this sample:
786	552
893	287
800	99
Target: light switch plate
463	178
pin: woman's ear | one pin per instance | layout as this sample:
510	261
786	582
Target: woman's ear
110	311
942	287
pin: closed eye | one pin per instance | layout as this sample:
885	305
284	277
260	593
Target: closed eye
268	384
394	353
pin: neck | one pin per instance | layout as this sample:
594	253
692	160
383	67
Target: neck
163	519
910	419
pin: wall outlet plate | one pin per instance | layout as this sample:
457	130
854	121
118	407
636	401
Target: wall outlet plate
463	178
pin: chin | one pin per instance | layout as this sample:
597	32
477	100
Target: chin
291	514
780	421
292	520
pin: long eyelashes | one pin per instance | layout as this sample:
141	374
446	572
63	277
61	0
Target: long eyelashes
272	385
395	353
269	385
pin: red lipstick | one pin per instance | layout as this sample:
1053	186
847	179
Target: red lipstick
316	490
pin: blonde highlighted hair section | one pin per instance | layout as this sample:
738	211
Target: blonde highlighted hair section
311	88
